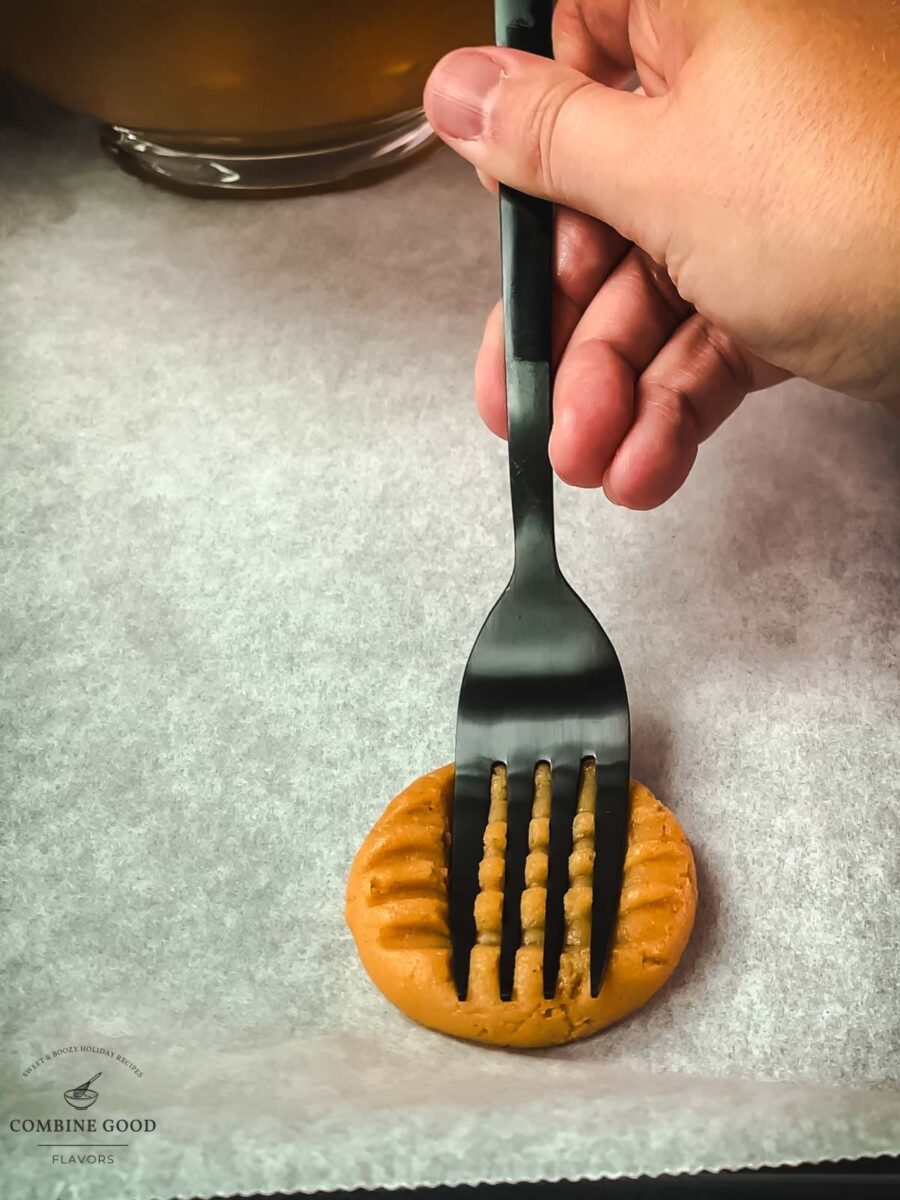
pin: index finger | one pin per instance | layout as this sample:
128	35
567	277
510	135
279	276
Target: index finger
593	38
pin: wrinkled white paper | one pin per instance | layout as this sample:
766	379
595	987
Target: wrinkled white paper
251	527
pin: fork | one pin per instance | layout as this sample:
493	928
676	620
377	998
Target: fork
543	682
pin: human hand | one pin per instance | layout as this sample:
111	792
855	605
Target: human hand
735	223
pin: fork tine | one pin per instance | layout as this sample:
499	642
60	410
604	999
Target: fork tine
610	840
564	796
471	802
520	798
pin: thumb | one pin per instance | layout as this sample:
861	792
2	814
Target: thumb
546	129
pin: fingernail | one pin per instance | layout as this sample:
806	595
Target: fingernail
458	90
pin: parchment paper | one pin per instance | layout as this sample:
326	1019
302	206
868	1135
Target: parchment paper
252	525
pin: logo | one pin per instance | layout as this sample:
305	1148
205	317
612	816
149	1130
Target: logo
84	1095
82	1138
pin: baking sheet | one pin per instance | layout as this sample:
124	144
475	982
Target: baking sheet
251	527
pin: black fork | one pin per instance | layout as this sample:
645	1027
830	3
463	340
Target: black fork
543	683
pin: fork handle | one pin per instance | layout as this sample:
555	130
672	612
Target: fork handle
526	250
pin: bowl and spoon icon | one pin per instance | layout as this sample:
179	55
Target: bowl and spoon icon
84	1095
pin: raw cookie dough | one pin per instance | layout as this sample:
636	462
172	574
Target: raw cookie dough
397	911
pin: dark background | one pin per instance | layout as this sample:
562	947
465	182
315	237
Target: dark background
865	1177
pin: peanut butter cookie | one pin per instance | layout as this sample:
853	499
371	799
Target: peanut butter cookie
397	912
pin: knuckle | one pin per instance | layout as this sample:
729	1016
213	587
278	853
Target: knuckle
727	354
547	153
676	405
660	283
